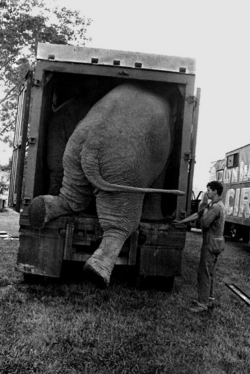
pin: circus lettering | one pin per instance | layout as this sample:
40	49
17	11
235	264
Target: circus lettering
237	202
237	174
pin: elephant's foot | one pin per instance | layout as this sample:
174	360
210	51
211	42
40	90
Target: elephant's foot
100	265
97	273
44	208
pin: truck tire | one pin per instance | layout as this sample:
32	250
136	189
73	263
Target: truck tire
234	234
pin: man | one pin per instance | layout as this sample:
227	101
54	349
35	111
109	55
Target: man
212	224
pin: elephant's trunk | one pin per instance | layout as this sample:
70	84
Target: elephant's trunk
89	161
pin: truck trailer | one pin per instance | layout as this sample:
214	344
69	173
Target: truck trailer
61	73
233	172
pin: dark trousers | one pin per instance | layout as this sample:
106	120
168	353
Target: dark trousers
205	276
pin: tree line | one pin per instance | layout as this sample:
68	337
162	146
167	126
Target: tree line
24	23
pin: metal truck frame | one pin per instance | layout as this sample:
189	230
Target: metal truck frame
155	249
234	173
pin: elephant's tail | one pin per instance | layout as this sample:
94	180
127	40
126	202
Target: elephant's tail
93	175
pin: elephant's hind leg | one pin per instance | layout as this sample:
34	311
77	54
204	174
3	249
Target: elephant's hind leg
100	265
119	215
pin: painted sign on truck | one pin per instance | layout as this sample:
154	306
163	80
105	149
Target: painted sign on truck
234	172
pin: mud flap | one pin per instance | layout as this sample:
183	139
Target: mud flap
161	253
40	252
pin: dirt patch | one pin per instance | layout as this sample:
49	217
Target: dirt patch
9	222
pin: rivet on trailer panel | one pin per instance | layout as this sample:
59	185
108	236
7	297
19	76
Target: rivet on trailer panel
182	70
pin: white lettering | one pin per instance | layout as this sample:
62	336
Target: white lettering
244	205
248	174
212	174
241	171
245	172
235	174
220	175
227	175
236	202
229	196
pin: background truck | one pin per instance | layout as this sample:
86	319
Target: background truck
62	72
234	173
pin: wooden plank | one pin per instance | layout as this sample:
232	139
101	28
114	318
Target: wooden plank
83	257
68	241
160	261
23	141
193	140
133	248
40	252
33	146
114	71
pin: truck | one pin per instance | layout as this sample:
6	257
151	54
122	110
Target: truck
62	71
195	202
233	172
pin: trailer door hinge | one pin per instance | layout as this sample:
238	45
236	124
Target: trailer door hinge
187	156
37	83
26	201
31	140
192	100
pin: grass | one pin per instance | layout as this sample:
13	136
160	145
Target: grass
72	327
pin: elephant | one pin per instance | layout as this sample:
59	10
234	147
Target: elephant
63	123
117	153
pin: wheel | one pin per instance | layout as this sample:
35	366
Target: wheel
234	232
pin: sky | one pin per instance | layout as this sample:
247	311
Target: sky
215	33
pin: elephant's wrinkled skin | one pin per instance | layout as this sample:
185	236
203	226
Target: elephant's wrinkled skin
124	140
62	124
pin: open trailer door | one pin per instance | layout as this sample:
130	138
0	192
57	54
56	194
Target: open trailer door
20	144
192	156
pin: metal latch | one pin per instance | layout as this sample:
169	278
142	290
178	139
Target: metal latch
192	100
37	83
26	201
187	156
31	140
